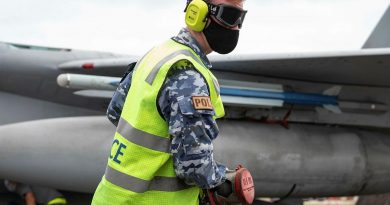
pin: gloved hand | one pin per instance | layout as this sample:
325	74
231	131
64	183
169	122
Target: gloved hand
225	189
238	188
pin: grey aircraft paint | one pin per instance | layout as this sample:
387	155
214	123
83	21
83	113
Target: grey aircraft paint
46	137
305	160
380	37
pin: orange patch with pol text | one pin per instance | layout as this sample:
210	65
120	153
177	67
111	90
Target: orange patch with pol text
202	103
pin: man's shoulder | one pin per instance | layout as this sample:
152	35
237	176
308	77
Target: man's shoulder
183	64
184	69
183	75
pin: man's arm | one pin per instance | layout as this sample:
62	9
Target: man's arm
22	190
192	130
29	198
117	102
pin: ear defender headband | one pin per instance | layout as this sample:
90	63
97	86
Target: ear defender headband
196	15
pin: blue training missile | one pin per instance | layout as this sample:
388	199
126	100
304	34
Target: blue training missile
234	93
272	95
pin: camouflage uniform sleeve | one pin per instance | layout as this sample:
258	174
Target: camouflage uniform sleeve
18	188
192	130
117	102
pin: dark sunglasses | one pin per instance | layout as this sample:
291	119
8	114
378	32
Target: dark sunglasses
229	16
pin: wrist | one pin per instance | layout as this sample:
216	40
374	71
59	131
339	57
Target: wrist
29	198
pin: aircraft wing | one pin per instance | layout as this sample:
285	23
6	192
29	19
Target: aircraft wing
278	80
362	67
105	66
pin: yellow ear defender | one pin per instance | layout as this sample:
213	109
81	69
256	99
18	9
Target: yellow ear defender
196	15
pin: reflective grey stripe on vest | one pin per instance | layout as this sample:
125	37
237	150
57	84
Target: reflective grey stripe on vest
142	138
137	185
216	86
152	75
139	62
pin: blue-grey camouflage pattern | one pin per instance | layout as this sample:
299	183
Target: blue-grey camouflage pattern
43	195
184	37
16	187
192	130
114	109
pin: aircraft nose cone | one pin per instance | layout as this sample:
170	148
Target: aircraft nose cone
63	80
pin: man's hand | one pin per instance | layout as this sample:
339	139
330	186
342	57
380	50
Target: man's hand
238	188
30	198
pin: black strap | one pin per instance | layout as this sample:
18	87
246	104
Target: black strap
213	9
130	69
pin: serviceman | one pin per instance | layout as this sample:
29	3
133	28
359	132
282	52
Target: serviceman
34	195
162	152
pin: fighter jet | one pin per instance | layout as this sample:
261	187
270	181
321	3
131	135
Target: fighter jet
306	124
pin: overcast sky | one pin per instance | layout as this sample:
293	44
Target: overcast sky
133	27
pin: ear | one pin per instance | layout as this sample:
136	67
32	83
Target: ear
196	15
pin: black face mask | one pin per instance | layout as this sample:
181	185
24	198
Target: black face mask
221	39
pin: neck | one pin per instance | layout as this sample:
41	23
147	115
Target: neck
201	39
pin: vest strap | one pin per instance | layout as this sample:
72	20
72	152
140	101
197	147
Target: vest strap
152	75
158	183
142	138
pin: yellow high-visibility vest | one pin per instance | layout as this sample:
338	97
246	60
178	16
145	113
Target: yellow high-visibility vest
57	201
140	166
